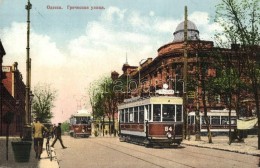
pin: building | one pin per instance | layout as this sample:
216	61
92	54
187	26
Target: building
168	68
2	53
12	99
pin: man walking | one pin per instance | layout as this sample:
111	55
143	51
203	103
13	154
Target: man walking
58	136
38	129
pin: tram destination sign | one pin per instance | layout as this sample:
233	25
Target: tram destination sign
165	92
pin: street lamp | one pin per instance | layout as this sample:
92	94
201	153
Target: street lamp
27	132
31	99
197	113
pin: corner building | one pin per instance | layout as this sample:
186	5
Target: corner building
13	99
168	68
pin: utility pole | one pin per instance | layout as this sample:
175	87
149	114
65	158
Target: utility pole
185	73
27	132
197	113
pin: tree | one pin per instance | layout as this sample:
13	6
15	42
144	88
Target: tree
240	20
65	127
228	83
103	100
43	101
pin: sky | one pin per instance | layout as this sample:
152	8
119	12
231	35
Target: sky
71	48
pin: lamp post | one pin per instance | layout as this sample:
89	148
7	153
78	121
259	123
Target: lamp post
31	99
197	114
27	132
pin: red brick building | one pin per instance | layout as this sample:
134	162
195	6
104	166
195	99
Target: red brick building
2	53
12	98
168	68
15	86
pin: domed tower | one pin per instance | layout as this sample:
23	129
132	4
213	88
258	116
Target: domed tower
193	32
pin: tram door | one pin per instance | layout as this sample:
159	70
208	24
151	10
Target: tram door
145	116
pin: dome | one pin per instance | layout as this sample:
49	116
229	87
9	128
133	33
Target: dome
193	32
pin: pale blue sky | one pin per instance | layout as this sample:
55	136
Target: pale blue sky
63	25
71	48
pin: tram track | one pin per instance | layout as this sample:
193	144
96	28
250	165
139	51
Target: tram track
143	153
195	155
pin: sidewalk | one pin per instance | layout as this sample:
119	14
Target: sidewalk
44	162
249	146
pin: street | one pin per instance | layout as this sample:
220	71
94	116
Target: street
109	152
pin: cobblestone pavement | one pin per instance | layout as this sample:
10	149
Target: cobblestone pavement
249	146
44	162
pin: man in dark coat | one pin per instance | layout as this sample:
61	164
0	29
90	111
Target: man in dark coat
58	136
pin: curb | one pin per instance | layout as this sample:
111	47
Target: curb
215	148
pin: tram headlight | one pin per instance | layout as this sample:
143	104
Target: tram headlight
83	130
169	135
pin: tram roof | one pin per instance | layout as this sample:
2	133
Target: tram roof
223	112
82	113
139	101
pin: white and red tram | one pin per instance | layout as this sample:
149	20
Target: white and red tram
218	119
151	121
80	124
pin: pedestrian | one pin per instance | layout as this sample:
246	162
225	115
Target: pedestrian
58	136
52	128
38	129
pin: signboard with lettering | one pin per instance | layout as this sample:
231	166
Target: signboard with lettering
165	92
6	69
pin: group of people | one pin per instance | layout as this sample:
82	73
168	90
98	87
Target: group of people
38	134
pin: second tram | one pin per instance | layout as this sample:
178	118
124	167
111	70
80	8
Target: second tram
152	121
80	125
218	119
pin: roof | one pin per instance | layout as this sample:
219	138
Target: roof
193	32
82	113
2	50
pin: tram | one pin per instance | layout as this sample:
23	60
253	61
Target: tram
219	122
151	121
80	124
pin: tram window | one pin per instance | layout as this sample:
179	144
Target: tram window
77	120
224	120
156	112
149	113
122	115
126	116
84	121
146	111
141	114
203	121
178	113
215	120
168	112
233	120
191	119
131	117
136	114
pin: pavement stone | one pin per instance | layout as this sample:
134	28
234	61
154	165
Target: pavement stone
249	146
44	162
